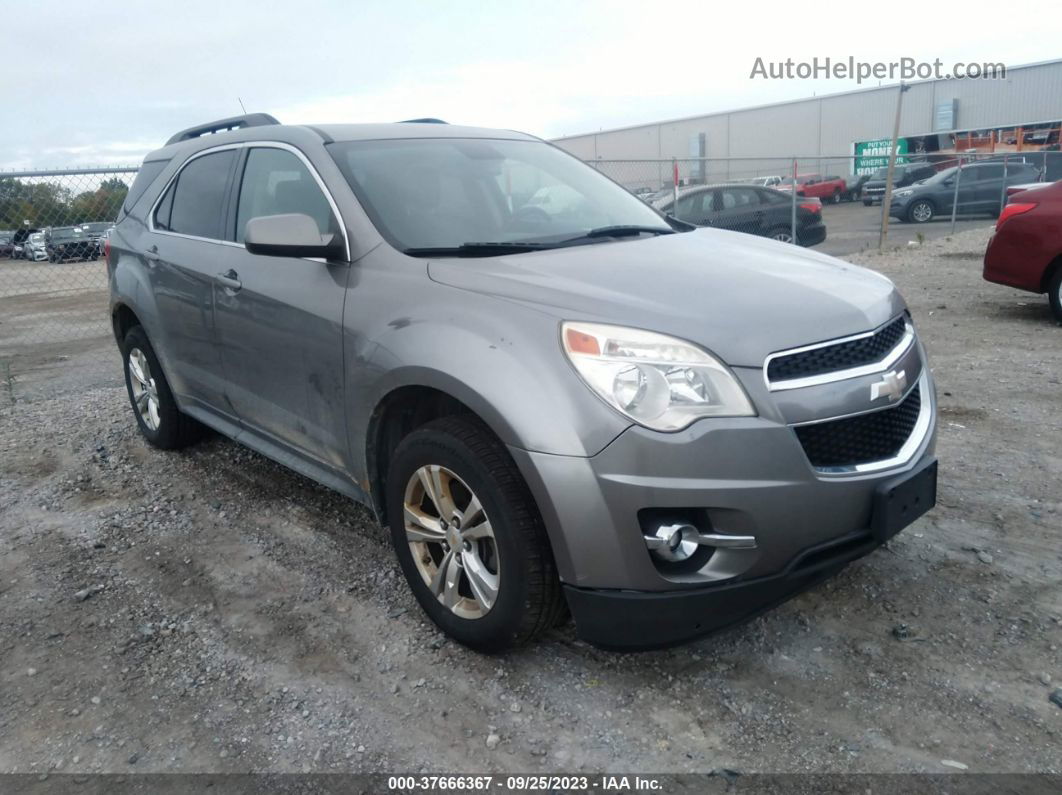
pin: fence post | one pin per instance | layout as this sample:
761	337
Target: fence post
955	195
1003	189
793	215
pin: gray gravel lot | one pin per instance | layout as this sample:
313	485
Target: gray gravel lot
211	611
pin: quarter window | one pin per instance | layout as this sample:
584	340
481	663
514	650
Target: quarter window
276	182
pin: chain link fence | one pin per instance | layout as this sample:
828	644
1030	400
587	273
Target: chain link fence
53	281
54	224
790	199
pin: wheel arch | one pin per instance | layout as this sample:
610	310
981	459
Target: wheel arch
1053	267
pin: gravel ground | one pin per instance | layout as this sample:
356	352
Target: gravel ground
211	611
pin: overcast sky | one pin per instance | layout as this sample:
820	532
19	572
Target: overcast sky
104	82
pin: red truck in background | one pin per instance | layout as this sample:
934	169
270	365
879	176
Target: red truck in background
828	189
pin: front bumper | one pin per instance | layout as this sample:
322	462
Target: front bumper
749	476
639	620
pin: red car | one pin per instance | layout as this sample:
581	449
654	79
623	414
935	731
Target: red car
1026	249
827	189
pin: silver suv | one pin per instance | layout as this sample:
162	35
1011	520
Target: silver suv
556	398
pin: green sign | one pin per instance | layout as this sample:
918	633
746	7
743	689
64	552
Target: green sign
872	155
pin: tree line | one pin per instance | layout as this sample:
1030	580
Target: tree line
53	204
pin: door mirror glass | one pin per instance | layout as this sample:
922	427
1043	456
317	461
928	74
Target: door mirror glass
290	235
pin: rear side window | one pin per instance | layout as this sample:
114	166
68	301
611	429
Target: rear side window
194	204
276	182
144	177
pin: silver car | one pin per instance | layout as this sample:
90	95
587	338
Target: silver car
566	405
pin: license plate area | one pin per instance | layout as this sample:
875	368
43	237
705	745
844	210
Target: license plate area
901	501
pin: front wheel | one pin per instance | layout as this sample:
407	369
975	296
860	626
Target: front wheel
836	197
154	407
920	212
469	538
867	202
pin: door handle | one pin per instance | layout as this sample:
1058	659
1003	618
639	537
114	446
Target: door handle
152	254
229	279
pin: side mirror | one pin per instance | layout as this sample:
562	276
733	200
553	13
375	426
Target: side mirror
290	235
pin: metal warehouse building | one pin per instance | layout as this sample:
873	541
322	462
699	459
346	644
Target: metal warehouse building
1020	113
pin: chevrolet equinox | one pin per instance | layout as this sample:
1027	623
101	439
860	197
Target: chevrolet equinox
557	399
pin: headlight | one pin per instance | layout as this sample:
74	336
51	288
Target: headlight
901	193
658	381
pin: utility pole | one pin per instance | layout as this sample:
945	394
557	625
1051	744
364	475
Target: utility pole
886	200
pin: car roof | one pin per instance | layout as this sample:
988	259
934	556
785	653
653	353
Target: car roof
309	134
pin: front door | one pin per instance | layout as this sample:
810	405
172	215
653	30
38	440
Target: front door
279	320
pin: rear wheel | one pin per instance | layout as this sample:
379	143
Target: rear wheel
920	212
867	202
1054	293
836	197
154	407
469	538
782	234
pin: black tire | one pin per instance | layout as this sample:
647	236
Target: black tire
1054	293
867	202
175	430
922	218
778	232
836	197
529	600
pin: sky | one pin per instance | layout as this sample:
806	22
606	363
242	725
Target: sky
103	83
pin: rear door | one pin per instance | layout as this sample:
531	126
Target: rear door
694	208
183	252
280	319
738	208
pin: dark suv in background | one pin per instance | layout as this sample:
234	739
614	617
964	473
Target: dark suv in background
980	191
902	176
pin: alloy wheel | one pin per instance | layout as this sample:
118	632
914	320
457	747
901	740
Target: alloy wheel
922	212
782	237
451	540
145	394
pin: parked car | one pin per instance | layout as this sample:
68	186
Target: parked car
660	428
18	241
6	246
902	176
854	185
751	209
765	182
828	189
980	191
70	242
1026	249
35	247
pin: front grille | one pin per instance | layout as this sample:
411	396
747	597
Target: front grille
842	356
861	440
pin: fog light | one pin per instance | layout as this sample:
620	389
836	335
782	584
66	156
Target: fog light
673	542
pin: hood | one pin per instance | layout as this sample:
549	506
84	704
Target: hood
742	297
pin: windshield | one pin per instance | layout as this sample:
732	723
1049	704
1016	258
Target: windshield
443	193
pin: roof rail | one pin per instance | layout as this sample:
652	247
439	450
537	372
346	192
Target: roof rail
428	120
232	123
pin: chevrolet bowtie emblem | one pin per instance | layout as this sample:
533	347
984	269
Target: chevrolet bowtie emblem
891	385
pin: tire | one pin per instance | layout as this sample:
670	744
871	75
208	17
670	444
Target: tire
461	459
1054	293
921	211
867	202
836	197
156	412
783	234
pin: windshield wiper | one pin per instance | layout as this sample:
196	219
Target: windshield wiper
627	230
476	250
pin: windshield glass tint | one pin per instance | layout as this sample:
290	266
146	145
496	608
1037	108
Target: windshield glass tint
446	192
